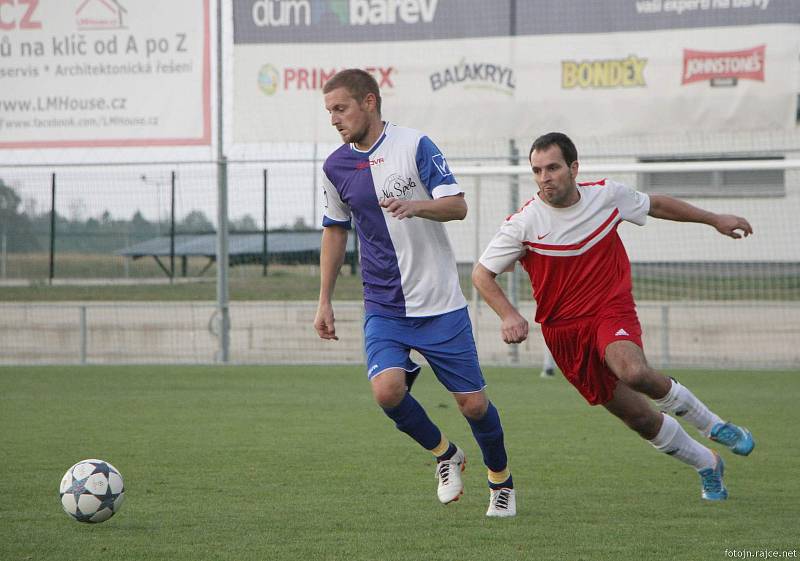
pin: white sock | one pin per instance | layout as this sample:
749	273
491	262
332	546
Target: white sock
676	442
682	403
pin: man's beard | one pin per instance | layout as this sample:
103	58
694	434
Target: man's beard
357	137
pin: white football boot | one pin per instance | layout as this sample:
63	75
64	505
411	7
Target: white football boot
502	502
448	473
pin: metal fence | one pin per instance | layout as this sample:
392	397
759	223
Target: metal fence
704	300
676	335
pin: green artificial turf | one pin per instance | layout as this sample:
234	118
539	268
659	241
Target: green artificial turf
298	463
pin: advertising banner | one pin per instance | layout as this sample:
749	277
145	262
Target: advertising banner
652	82
90	73
349	21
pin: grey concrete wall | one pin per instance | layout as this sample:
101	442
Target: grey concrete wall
710	335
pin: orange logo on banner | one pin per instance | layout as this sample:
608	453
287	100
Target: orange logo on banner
709	65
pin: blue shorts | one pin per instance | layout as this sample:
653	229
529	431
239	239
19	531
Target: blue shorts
445	341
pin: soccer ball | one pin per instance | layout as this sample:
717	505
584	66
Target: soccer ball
92	491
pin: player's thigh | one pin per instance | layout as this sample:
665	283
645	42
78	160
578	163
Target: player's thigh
386	346
625	358
574	349
619	334
448	345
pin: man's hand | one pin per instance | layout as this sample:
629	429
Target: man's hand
400	208
514	328
324	321
728	224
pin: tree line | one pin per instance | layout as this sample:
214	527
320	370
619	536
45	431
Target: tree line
24	232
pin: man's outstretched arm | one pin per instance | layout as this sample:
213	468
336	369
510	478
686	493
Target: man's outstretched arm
670	208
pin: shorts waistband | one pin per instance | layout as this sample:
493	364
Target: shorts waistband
567	321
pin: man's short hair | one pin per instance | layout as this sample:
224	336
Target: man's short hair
559	139
358	83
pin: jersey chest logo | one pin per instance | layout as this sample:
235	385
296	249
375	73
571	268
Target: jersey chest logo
364	164
398	187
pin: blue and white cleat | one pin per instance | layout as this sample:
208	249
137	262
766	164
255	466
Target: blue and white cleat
738	439
711	478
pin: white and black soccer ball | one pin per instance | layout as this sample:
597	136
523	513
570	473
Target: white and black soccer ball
92	491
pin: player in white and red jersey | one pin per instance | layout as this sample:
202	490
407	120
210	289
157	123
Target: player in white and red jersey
394	185
566	238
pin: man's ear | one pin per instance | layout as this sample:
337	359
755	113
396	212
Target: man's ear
371	101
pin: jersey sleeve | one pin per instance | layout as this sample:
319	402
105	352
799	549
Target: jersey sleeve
633	205
337	213
434	171
505	248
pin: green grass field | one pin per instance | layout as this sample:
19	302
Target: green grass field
297	463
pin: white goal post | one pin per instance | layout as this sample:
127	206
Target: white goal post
597	168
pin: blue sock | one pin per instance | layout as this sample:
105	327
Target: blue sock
489	433
410	418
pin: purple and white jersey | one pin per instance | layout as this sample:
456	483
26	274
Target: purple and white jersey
408	266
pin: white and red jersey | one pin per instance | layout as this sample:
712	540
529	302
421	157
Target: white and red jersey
574	256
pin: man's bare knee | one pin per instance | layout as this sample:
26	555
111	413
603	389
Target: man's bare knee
629	364
388	388
472	405
637	375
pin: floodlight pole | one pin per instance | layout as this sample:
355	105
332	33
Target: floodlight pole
265	241
172	231
314	185
3	244
52	228
513	288
223	309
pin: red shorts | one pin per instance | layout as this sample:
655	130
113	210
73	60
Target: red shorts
579	347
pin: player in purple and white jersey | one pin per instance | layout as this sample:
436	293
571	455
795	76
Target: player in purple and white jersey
394	185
